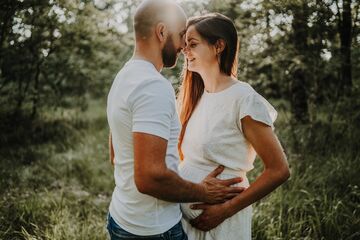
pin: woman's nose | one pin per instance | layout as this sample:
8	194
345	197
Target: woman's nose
185	50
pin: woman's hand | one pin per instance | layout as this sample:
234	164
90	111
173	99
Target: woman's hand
211	217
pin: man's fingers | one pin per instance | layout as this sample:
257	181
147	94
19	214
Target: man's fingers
231	181
235	189
199	206
231	196
217	171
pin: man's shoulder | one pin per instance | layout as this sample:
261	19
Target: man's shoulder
158	84
143	75
153	88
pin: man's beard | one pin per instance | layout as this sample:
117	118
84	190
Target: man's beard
169	53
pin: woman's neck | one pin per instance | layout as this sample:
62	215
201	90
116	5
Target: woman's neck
215	81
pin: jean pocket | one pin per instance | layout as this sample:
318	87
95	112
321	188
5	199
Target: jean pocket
177	232
117	233
120	234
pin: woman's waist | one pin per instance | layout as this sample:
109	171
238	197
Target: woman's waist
196	172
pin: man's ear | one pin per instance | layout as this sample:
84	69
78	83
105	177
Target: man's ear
220	46
161	31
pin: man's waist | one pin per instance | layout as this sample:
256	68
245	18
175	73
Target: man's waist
144	216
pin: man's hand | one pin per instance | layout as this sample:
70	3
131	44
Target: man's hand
217	190
211	217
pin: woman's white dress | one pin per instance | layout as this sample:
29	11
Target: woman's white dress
214	136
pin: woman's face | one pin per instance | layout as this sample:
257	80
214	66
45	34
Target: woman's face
200	55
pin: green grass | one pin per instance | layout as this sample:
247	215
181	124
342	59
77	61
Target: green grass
60	187
321	200
56	180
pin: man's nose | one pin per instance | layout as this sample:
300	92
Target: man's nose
183	44
183	41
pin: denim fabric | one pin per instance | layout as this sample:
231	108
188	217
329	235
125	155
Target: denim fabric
117	233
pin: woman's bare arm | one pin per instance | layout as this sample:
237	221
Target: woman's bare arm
276	171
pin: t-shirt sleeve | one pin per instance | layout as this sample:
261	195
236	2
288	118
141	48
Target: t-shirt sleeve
153	106
258	108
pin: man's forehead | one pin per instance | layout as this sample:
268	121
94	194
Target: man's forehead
175	16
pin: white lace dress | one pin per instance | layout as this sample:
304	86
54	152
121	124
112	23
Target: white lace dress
214	136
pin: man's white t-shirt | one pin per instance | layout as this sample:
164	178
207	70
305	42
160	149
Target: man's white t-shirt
141	100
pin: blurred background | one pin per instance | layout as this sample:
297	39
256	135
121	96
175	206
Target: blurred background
58	59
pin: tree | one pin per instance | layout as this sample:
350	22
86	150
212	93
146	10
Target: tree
345	31
55	53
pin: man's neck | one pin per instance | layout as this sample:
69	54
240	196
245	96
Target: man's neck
149	54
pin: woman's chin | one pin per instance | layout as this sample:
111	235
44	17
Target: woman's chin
192	69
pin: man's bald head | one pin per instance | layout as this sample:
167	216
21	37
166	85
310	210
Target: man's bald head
151	12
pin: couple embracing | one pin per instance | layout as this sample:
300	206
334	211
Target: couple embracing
180	163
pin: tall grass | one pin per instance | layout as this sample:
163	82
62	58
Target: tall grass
321	200
58	185
56	180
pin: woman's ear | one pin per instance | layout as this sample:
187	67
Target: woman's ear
161	32
219	46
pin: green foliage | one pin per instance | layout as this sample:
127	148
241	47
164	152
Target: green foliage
56	55
53	53
63	190
321	198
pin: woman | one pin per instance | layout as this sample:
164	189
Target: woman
224	121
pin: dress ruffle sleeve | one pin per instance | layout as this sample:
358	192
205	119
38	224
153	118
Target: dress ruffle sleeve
258	108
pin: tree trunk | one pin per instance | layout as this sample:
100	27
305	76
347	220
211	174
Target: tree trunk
298	86
345	31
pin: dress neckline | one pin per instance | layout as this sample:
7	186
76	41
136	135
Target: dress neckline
206	93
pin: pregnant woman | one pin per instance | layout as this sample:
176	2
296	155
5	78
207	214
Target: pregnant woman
224	121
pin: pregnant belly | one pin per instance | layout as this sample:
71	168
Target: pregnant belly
196	173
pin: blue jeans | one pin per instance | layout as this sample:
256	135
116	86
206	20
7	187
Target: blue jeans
117	233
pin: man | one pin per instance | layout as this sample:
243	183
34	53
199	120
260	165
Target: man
144	131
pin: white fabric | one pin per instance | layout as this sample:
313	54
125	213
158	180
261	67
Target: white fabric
141	100
214	136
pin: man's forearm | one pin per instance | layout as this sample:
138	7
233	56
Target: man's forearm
171	187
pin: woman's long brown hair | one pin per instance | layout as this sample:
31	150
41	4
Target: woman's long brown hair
211	27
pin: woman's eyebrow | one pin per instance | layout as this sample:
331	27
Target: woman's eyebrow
182	33
192	38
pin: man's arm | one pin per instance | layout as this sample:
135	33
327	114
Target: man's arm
152	176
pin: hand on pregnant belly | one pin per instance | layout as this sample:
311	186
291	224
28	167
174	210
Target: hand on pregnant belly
211	216
199	175
223	189
218	190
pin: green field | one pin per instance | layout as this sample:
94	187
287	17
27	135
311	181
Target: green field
58	59
56	183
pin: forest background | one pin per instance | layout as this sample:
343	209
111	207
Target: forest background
58	59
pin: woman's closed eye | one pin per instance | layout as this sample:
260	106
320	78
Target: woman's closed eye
192	45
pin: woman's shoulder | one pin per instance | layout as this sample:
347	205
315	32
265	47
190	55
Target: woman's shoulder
242	90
